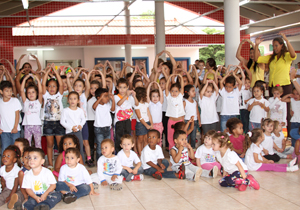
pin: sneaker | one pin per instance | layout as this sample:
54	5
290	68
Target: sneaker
18	206
293	168
56	152
139	177
242	187
90	163
14	198
157	175
214	171
42	207
69	198
129	177
95	185
293	162
181	173
252	182
197	174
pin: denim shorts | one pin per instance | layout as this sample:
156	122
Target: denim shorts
140	129
53	128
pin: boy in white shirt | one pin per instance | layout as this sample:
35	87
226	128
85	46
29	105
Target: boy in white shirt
127	157
74	180
109	166
39	183
103	106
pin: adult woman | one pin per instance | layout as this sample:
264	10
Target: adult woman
256	69
27	66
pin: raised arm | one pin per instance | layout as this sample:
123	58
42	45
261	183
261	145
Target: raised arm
60	82
181	83
44	82
13	70
248	71
9	78
17	81
203	90
172	60
223	80
113	73
240	84
190	79
294	81
37	62
290	47
22	89
148	92
19	63
196	76
258	40
87	83
168	84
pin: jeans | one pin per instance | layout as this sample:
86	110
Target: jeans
52	199
101	134
253	125
224	119
193	134
167	174
82	190
245	119
8	139
125	172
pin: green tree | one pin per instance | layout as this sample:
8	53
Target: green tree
216	51
148	12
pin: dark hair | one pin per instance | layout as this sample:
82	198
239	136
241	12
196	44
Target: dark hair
32	85
154	131
73	150
28	80
5	84
201	61
212	63
283	49
261	87
187	89
68	136
128	75
93	82
77	94
141	94
255	133
154	91
169	65
100	91
209	133
177	133
16	151
27	149
38	150
259	83
127	136
209	85
163	78
54	80
24	141
159	61
136	81
23	66
178	126
111	142
122	81
232	123
250	62
230	80
63	76
79	80
175	85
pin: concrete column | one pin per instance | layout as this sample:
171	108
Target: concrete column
128	57
232	30
160	38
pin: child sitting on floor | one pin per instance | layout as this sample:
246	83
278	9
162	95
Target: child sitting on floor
280	143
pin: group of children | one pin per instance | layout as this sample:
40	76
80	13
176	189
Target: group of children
126	118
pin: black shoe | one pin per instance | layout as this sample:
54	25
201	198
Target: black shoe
90	163
18	206
69	198
41	207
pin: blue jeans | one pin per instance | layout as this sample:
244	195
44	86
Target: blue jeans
295	125
295	136
193	134
245	119
52	199
101	134
224	119
166	174
8	139
125	172
82	190
253	125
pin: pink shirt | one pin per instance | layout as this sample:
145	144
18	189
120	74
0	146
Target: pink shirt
238	142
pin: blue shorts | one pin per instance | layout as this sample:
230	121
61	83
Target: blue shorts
85	132
140	129
53	128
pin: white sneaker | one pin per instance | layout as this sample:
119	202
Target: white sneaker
293	168
293	162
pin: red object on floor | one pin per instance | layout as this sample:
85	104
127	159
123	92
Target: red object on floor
44	144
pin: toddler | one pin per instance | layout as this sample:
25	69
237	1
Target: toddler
280	144
277	106
245	96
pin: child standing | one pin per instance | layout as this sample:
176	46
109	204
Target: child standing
32	101
165	119
39	183
280	144
245	96
9	114
109	166
104	105
277	107
180	154
127	157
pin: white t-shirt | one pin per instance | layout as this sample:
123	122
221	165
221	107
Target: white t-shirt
257	112
102	115
108	166
165	104
277	110
151	155
124	111
143	107
90	110
229	161
128	161
295	105
38	184
208	107
183	159
191	110
230	102
268	144
156	111
175	106
52	106
71	118
75	176
83	104
32	111
10	176
205	155
8	114
249	157
244	95
278	140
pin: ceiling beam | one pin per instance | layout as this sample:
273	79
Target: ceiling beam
19	8
263	9
286	8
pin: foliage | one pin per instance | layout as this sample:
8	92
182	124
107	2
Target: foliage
148	12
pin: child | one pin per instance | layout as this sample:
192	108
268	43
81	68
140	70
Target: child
207	101
165	119
32	101
109	166
280	144
104	105
184	126
267	125
191	109
245	96
124	102
230	97
9	172
73	118
153	161
206	156
52	93
258	107
144	118
277	107
180	154
127	157
21	143
235	170
156	100
256	162
39	183
175	108
74	180
9	114
235	127
66	92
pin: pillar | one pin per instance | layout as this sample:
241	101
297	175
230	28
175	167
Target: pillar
128	57
232	30
160	38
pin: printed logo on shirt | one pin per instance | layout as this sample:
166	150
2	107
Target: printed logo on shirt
52	109
39	188
210	158
70	179
109	166
124	114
